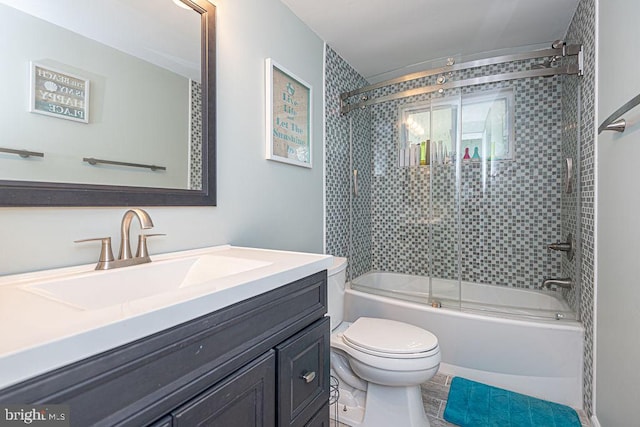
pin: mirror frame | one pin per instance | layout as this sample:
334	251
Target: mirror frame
36	193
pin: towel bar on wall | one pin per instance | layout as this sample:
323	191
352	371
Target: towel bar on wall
615	122
94	162
22	153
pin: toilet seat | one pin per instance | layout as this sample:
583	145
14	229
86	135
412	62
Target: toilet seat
396	362
421	355
388	338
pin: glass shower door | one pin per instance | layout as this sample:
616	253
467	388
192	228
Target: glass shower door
360	173
494	199
429	141
445	214
511	191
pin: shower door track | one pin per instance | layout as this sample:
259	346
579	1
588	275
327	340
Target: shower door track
442	84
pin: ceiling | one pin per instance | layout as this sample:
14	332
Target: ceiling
383	39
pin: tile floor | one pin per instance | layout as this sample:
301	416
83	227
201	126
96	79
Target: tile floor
434	396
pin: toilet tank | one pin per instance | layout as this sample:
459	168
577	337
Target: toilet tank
337	275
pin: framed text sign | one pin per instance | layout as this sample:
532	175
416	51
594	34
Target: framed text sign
58	93
288	118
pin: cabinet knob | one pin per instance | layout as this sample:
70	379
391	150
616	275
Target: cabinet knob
308	376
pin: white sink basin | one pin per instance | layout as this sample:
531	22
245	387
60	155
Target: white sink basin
101	289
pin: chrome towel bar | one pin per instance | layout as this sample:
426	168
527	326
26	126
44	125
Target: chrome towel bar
94	162
615	122
22	153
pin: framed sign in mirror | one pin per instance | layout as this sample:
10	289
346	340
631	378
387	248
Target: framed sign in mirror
58	94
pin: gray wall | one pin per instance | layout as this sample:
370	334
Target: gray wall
260	203
618	227
579	96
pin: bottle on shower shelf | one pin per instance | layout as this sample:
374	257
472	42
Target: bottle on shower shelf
424	152
476	155
416	154
466	154
453	157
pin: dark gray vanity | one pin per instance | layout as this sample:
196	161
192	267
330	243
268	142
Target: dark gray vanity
263	361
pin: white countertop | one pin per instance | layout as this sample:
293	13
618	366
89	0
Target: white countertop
38	334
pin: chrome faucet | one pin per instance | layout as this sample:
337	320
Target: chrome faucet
125	258
145	224
566	283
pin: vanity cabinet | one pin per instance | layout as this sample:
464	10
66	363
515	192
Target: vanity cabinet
261	362
245	399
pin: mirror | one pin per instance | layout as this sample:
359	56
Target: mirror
111	104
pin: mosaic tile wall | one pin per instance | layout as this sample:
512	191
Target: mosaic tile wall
195	137
348	220
570	133
507	217
582	30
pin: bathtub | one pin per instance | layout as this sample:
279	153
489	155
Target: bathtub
506	337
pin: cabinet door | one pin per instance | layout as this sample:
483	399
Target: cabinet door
303	375
165	422
246	398
321	418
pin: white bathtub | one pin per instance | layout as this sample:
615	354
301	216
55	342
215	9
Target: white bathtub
470	297
520	350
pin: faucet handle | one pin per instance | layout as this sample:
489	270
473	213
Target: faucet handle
106	254
142	244
560	246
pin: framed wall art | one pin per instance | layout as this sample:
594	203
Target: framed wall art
288	116
58	93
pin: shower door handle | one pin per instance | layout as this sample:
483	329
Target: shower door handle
355	182
568	178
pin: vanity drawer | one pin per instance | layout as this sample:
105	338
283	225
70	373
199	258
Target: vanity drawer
303	374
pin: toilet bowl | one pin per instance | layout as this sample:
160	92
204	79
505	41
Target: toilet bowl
379	364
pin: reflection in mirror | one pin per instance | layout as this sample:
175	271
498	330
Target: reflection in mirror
486	131
487	126
110	95
430	127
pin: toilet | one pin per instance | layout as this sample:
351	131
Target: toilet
379	364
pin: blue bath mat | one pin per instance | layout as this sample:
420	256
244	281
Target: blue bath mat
473	404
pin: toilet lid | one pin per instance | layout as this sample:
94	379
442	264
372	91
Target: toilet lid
389	336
